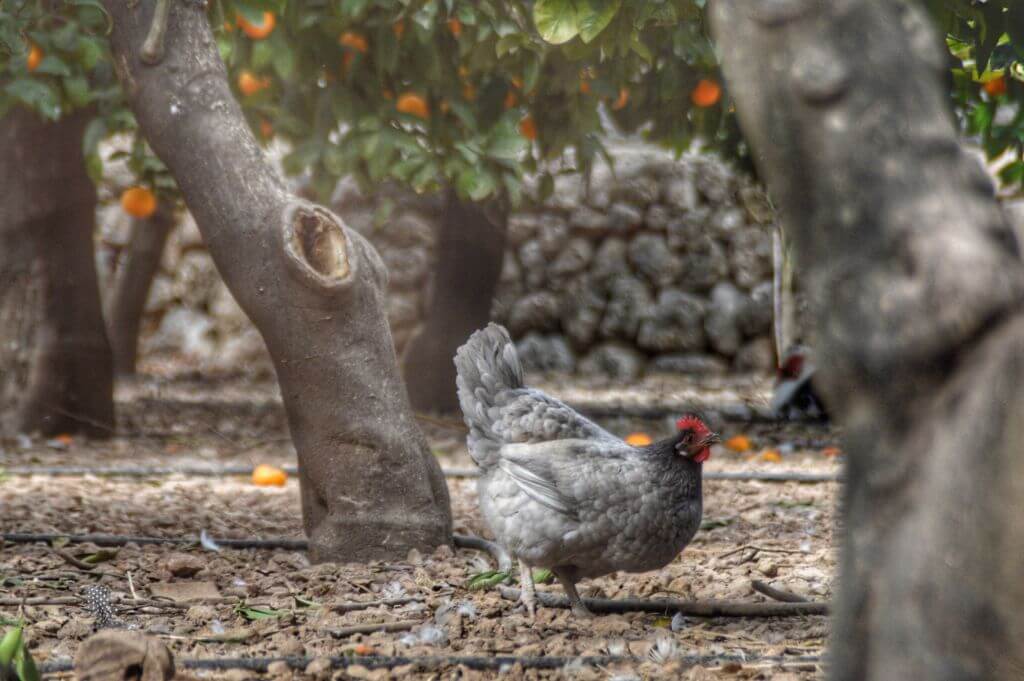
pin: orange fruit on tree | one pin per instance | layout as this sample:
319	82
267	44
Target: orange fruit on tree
707	93
455	27
35	55
527	128
995	87
638	439
250	84
738	443
413	104
139	202
268	476
623	99
398	28
510	99
585	86
771	456
266	129
355	41
258	31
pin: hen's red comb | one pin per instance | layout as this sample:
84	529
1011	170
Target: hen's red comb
691	421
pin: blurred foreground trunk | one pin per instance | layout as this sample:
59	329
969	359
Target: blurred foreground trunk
371	489
470	250
135	273
55	358
918	282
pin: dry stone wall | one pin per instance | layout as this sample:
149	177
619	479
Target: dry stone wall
664	265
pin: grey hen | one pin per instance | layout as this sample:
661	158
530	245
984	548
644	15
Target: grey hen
560	492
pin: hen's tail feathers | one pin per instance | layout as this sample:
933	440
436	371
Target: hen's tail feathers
487	366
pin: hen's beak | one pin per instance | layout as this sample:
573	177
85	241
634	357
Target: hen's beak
703	444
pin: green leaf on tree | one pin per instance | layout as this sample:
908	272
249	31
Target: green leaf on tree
594	16
557	21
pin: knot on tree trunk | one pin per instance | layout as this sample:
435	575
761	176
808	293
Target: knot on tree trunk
317	248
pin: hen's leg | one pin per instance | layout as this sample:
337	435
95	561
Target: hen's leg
527	594
567	578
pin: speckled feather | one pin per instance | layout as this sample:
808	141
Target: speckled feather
557	490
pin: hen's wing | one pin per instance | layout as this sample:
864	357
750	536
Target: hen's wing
529	416
563	475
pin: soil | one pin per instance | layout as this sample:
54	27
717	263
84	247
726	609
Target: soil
270	603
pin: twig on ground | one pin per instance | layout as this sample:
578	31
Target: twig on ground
386	602
401	625
686	608
71	560
776	593
757	549
39	600
499	554
131	586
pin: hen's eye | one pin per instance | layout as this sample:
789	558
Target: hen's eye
687	435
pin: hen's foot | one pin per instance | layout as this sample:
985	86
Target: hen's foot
568	582
527	593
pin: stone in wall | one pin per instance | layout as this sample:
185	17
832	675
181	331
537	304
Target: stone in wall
652	259
536	311
722	321
539	352
582	309
629	302
676	324
616	360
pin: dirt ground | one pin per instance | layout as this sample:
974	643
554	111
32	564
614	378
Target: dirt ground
271	603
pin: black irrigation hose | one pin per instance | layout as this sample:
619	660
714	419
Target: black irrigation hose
223	471
461	541
478	662
121	540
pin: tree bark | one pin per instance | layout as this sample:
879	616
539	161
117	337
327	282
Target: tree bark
140	263
919	283
314	288
470	251
47	219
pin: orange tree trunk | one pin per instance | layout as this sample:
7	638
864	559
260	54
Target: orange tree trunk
135	273
918	281
470	249
47	218
371	489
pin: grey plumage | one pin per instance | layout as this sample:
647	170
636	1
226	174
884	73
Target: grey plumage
560	492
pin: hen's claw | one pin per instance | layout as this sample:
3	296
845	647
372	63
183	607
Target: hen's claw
581	611
527	592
